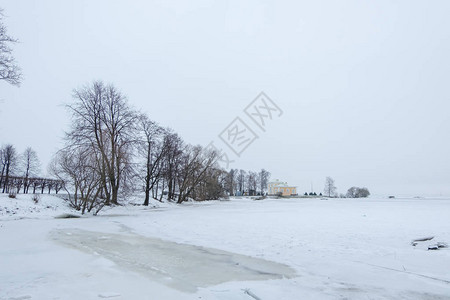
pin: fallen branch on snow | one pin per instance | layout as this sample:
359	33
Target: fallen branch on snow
248	292
428	238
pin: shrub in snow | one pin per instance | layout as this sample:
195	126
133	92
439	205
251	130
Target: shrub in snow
36	198
356	192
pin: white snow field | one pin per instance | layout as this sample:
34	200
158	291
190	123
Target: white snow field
236	249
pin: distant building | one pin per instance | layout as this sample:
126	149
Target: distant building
276	187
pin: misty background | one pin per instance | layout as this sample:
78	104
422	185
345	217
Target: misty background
363	85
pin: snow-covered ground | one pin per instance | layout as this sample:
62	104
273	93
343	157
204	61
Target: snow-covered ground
237	249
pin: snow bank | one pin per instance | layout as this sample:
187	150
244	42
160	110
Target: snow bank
23	206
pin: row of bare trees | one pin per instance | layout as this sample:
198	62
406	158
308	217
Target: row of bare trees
353	192
241	182
112	150
34	185
19	172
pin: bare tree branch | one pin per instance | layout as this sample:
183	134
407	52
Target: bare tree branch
9	70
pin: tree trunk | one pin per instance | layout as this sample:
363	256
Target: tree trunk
5	184
147	177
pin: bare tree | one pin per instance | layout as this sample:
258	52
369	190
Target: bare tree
3	165
9	164
231	181
30	166
9	71
263	180
77	168
195	164
330	188
363	192
153	149
173	157
212	187
252	183
356	192
103	122
241	181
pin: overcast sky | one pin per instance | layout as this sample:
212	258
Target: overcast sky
363	85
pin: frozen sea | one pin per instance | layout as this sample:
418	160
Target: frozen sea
236	249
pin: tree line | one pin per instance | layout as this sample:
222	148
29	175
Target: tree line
112	150
353	192
240	182
20	173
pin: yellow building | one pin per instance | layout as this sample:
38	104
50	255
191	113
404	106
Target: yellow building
278	187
